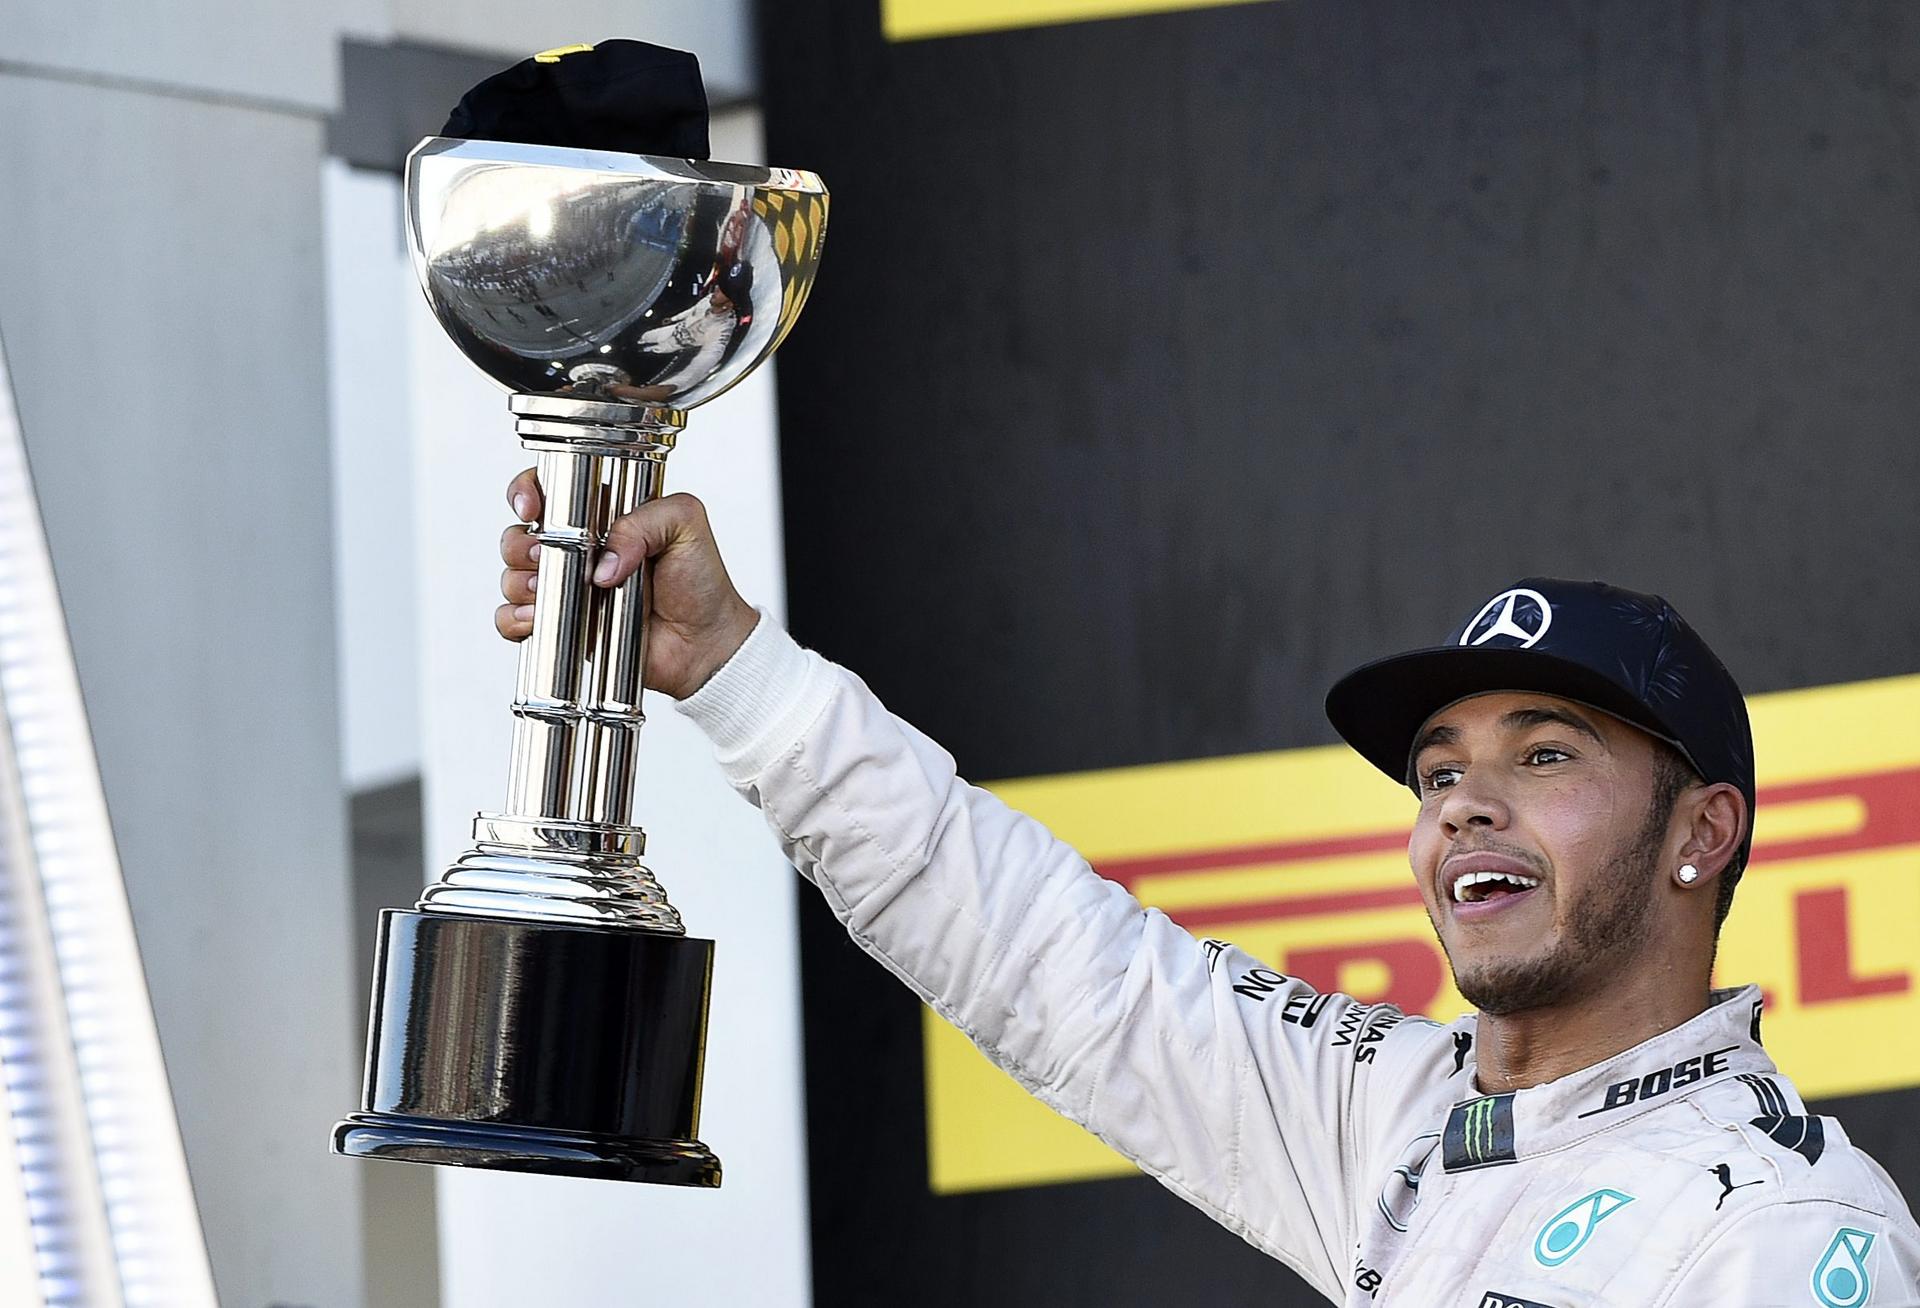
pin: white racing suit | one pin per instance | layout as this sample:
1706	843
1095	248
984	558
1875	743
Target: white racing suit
1343	1139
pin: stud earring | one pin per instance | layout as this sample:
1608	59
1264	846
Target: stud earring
1688	874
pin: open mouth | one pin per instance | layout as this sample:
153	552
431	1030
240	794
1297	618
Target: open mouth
1481	891
1479	887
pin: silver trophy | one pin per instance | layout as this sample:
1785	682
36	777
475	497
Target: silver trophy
542	1008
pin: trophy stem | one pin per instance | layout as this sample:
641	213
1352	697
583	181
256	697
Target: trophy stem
564	848
577	713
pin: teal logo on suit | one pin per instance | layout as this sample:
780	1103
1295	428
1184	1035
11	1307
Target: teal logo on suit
1840	1278
1567	1231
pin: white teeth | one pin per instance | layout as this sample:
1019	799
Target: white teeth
1467	882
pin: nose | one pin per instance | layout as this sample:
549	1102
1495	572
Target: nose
1473	804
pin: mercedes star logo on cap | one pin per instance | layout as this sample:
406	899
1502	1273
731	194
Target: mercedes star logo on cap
1511	620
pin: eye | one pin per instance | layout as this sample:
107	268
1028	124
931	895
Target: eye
1439	777
1553	752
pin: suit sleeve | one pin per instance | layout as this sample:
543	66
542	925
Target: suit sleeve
1218	1077
1805	1253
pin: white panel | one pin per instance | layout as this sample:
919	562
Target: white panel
107	1184
161	294
368	298
719	31
19	1286
284	52
510	1240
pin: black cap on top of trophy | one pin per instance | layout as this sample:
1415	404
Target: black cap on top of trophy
613	95
1625	653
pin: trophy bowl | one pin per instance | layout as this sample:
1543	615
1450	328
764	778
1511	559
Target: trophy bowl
626	277
541	1008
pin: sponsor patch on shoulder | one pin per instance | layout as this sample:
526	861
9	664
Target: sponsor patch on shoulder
1841	1279
1501	1299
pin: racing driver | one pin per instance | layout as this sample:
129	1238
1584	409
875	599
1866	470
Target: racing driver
1606	1129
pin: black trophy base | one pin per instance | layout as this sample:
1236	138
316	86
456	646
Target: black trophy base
536	1046
525	1149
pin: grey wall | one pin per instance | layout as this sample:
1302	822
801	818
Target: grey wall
281	53
160	295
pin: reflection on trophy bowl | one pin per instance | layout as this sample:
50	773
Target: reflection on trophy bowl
605	276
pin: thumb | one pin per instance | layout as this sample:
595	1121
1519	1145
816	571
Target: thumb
648	531
523	493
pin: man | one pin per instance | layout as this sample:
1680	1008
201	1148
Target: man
1606	1130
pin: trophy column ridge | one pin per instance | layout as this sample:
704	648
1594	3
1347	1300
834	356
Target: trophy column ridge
564	848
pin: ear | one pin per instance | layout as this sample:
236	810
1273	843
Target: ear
1711	821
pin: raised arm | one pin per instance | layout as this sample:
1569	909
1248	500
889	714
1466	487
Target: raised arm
1240	1100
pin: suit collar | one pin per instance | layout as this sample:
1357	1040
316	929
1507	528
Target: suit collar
1720	1043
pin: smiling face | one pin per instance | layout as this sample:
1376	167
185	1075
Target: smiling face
1540	846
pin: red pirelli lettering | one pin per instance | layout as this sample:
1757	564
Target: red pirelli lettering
1890	802
1825	952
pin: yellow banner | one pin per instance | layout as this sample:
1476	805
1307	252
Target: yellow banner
909	20
1299	857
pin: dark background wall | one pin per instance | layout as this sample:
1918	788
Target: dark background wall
1163	368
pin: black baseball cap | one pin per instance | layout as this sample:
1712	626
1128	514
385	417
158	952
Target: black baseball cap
1624	653
627	96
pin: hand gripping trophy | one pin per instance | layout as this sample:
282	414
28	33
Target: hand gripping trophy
542	1008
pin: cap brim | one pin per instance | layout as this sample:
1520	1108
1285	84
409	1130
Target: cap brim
1379	708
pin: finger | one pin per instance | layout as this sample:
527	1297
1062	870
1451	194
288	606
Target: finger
514	621
647	532
518	586
518	548
523	493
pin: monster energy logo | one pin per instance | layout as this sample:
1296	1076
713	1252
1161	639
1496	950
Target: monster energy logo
1479	1134
1480	1130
